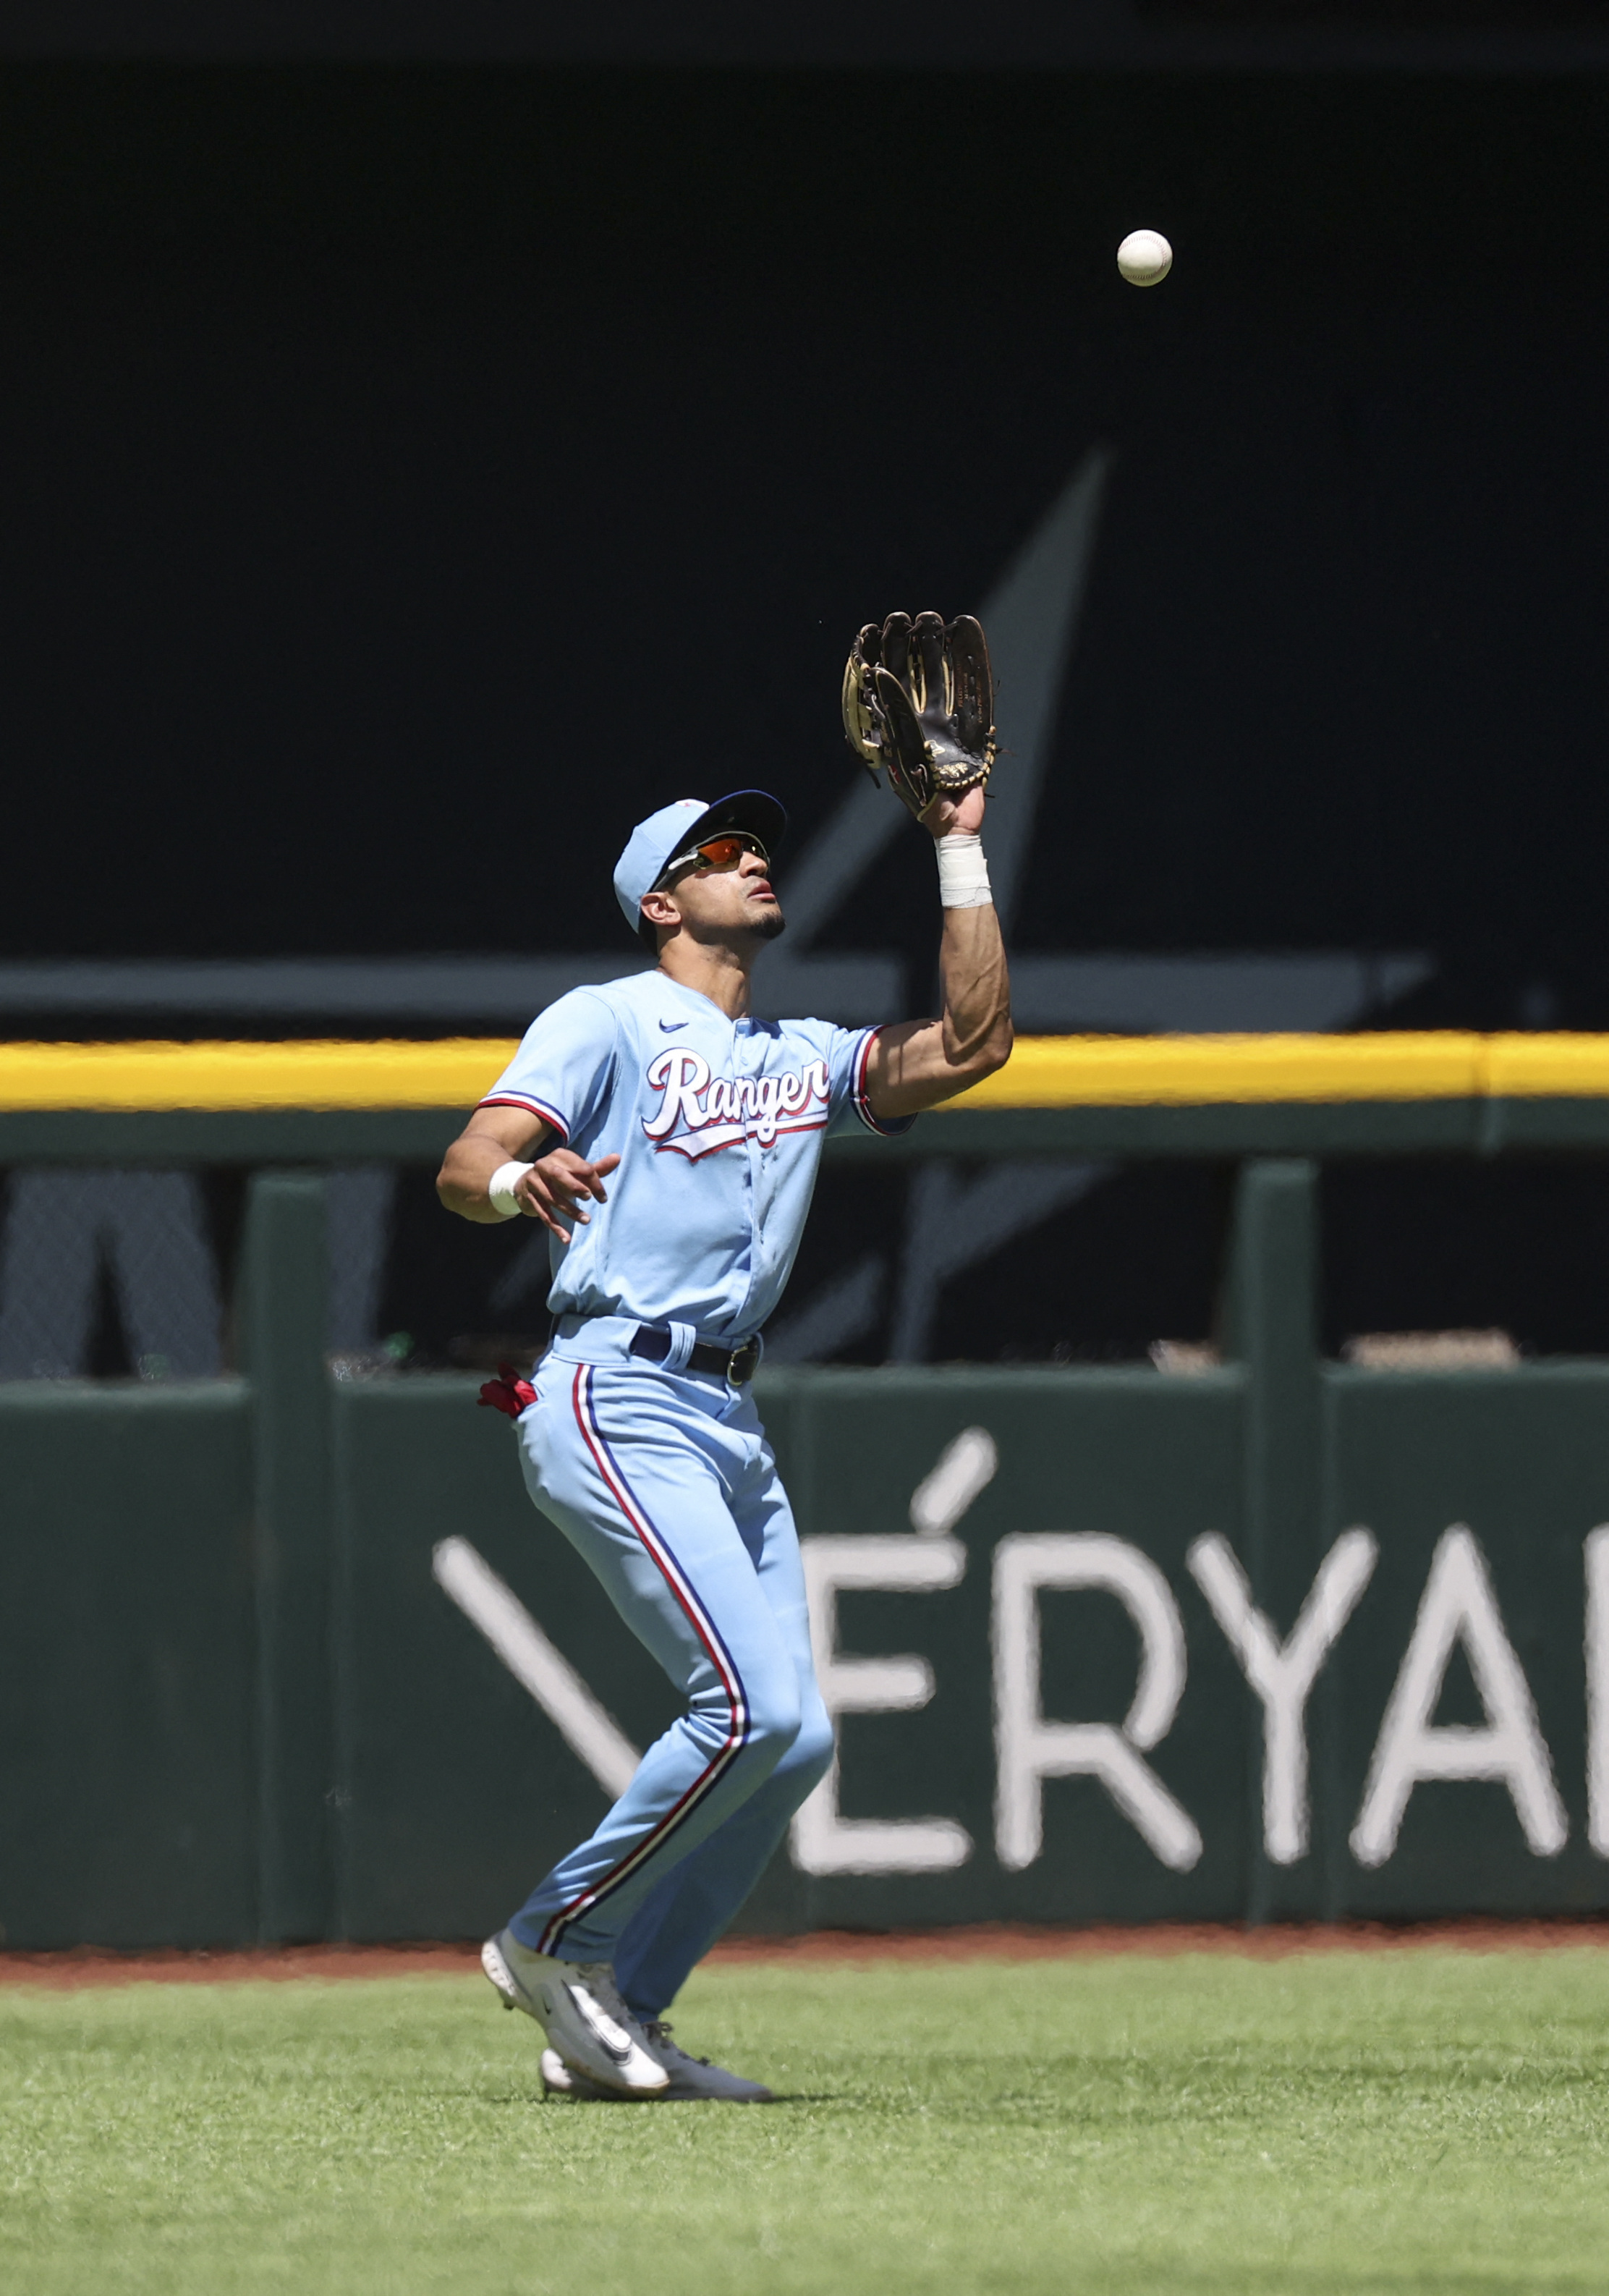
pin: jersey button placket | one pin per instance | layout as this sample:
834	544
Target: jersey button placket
745	1035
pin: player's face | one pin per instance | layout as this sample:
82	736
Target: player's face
727	888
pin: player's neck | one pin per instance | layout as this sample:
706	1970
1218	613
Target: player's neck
714	969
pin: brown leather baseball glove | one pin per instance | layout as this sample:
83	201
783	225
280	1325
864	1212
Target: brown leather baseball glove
918	698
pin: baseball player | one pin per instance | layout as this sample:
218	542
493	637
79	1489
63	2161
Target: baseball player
668	1140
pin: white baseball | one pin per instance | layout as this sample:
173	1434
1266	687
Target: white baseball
1145	258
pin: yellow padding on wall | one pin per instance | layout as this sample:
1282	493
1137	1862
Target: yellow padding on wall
1548	1067
451	1073
1044	1072
1192	1071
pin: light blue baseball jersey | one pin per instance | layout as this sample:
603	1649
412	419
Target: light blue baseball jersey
719	1126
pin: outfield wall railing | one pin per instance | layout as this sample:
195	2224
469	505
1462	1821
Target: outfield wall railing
290	1655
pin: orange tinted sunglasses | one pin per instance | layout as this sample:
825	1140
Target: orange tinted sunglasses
723	852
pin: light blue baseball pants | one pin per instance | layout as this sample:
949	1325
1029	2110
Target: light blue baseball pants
664	1483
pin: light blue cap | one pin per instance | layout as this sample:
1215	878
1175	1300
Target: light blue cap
677	828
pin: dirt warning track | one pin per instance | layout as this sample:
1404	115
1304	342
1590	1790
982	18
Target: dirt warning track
91	1965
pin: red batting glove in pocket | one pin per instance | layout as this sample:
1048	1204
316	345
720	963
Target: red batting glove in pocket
508	1392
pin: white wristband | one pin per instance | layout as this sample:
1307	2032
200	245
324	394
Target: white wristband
500	1187
963	872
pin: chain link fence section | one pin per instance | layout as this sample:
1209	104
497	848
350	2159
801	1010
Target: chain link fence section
359	1201
149	1231
67	1234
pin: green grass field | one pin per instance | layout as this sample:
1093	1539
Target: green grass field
1353	2121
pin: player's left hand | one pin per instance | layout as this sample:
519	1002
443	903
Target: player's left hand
964	813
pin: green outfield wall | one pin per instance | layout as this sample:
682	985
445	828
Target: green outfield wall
289	1656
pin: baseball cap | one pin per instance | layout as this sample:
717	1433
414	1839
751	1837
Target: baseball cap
674	828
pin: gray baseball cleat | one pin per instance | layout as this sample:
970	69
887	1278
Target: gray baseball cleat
590	2031
695	2075
559	2080
690	2077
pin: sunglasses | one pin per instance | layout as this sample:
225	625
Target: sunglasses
723	852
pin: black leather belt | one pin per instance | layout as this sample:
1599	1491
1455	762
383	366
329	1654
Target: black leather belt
653	1343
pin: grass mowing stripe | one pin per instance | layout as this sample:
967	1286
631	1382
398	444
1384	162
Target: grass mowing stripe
1341	2122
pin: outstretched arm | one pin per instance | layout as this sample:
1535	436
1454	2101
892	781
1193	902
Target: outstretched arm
917	1064
552	1191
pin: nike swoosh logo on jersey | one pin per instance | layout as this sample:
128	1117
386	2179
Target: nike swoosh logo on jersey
669	1026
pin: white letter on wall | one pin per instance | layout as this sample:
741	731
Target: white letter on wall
965	1467
586	1728
1028	1749
1597	1689
824	1842
1283	1675
1459	1606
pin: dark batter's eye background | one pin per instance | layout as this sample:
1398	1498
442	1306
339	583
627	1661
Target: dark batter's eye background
384	440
